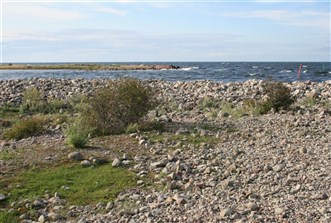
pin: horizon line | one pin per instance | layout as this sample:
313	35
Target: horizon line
165	61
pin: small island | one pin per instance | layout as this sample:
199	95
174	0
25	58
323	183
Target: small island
87	67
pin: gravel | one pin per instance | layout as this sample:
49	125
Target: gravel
269	168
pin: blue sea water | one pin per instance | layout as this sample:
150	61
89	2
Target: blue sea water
189	71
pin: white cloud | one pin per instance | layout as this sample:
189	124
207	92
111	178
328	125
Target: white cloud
13	35
97	7
287	1
299	18
40	11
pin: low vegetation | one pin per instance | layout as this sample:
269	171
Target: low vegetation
278	97
121	107
145	126
26	127
112	109
34	103
78	185
75	184
215	108
77	136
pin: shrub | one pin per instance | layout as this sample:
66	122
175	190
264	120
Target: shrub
278	97
25	128
145	126
78	103
32	100
56	106
33	103
132	128
208	102
123	102
309	102
77	135
255	107
231	109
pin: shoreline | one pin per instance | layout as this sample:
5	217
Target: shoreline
235	92
88	67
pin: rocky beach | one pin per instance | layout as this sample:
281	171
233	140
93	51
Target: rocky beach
210	164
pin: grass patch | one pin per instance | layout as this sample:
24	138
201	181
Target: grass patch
8	217
77	135
309	102
8	115
214	107
86	185
145	126
7	155
232	110
25	128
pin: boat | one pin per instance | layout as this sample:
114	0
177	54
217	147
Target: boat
323	71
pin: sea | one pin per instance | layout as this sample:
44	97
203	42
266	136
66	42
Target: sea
191	71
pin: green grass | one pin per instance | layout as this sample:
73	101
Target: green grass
77	135
232	110
24	128
9	113
87	185
8	217
309	102
7	155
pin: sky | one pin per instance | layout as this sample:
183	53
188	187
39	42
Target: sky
138	31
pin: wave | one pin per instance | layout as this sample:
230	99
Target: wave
188	68
223	69
286	71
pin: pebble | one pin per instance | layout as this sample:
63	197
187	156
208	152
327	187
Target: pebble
2	197
226	212
278	167
252	206
158	164
75	156
116	162
140	182
279	211
257	166
86	163
41	219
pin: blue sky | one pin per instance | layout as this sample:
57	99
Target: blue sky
114	31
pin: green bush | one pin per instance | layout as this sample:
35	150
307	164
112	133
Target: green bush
145	126
32	100
77	135
255	107
56	106
309	102
78	103
123	102
34	103
132	128
208	102
25	128
278	97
